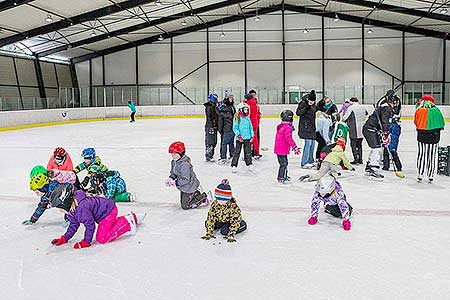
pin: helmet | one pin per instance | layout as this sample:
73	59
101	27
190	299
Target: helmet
213	98
38	181
59	152
326	185
241	108
391	97
287	115
88	153
38	170
177	147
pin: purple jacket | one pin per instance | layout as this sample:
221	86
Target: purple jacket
90	210
340	200
283	139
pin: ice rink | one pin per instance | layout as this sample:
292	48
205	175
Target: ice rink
398	247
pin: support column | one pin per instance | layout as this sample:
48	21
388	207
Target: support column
90	83
363	60
444	69
40	79
283	44
76	91
171	72
207	63
18	85
323	56
245	58
403	64
137	76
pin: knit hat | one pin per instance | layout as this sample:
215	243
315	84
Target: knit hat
428	98
312	95
223	191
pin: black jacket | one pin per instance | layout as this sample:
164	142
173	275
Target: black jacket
226	115
383	115
211	115
307	122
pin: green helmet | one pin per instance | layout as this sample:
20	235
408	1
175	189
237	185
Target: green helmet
38	170
38	181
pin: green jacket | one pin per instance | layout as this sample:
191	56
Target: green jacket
229	212
336	156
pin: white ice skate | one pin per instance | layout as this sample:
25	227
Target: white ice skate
250	168
234	170
134	220
132	196
222	161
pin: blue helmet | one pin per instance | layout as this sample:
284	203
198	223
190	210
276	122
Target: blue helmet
88	153
213	98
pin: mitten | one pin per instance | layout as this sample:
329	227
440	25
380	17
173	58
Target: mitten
386	139
312	220
208	236
27	222
85	181
297	150
81	244
60	241
170	182
240	138
346	224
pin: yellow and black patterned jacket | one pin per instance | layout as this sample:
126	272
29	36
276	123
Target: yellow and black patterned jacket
229	212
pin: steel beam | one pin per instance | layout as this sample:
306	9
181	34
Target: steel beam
8	4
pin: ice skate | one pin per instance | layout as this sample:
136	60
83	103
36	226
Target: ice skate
199	199
308	166
211	160
234	170
135	219
222	161
284	182
419	178
250	168
132	196
304	178
430	180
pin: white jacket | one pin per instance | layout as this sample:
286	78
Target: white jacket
355	118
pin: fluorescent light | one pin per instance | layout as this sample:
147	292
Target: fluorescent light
184	23
257	18
49	19
222	34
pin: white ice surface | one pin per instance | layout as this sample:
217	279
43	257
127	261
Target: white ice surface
398	247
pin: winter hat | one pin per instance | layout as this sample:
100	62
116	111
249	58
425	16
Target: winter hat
223	191
428	98
252	92
312	95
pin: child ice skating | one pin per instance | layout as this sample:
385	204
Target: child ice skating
183	177
38	170
90	210
244	134
283	144
112	186
61	176
391	150
225	127
132	108
60	160
211	126
330	192
92	164
224	214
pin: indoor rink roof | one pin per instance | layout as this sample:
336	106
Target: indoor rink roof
78	30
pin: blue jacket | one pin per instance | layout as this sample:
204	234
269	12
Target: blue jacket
132	107
243	128
114	185
394	130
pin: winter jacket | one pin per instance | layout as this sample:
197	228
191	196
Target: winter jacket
60	176
283	139
344	108
131	106
226	115
323	128
355	118
53	191
113	185
328	111
338	198
255	113
429	122
336	156
212	117
307	120
228	213
394	131
243	127
90	210
95	167
182	172
380	119
340	130
66	166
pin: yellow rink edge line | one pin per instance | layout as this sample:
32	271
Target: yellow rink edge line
28	126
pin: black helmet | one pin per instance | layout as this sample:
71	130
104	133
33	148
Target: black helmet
287	115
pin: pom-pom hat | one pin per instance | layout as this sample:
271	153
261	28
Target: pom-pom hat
223	191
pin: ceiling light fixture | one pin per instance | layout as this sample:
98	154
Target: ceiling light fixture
160	38
444	10
158	3
222	34
305	30
369	31
184	23
93	33
336	18
257	18
49	19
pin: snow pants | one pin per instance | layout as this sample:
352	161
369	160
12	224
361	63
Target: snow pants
325	167
335	211
210	142
112	227
237	153
192	200
122	197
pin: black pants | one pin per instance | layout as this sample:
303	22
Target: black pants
210	142
282	171
226	143
335	211
357	149
247	153
132	116
259	142
225	227
192	200
426	159
387	160
321	143
372	137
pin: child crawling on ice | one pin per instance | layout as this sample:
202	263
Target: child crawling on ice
330	192
224	214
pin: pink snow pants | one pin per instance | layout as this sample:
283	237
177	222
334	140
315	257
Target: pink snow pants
111	227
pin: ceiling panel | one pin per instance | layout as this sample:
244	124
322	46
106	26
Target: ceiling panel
70	8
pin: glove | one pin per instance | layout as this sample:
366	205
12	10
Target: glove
346	224
297	150
81	244
386	139
170	182
208	236
231	239
240	138
353	169
312	221
58	242
27	222
85	181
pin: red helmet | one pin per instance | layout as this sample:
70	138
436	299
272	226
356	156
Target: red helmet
177	147
59	152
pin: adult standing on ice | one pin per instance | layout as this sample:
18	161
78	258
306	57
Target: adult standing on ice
211	125
429	123
133	110
355	116
255	118
306	110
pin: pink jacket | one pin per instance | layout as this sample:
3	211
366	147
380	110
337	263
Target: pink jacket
62	176
66	166
283	140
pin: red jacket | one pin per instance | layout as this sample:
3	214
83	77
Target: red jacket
255	113
66	166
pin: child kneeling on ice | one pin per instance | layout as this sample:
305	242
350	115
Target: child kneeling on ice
92	164
183	177
90	210
331	162
113	186
224	214
330	192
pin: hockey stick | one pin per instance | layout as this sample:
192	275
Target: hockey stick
397	173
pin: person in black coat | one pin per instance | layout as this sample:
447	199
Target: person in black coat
211	126
225	128
306	110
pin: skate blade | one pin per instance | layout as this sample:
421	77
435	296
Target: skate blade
370	177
